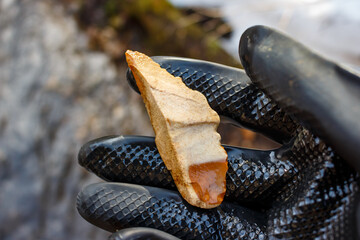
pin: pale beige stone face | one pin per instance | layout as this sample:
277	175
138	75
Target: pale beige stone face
184	124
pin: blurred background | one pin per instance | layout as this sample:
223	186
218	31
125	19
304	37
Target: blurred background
62	83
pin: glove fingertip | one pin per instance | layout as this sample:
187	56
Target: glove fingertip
249	40
317	92
141	233
90	208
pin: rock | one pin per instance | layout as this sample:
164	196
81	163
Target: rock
55	95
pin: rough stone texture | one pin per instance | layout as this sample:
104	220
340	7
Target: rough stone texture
55	95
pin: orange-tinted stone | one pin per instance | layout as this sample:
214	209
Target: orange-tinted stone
209	181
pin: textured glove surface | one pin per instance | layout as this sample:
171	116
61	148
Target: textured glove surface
302	190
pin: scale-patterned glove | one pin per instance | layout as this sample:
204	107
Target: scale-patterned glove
306	189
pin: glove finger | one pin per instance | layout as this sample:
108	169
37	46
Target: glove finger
253	176
319	93
230	93
141	233
114	206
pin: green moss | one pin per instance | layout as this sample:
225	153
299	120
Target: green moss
154	27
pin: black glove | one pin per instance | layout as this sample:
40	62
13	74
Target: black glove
306	189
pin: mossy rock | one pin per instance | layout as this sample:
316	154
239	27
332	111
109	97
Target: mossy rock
154	27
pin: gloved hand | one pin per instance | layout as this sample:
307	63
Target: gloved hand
306	189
